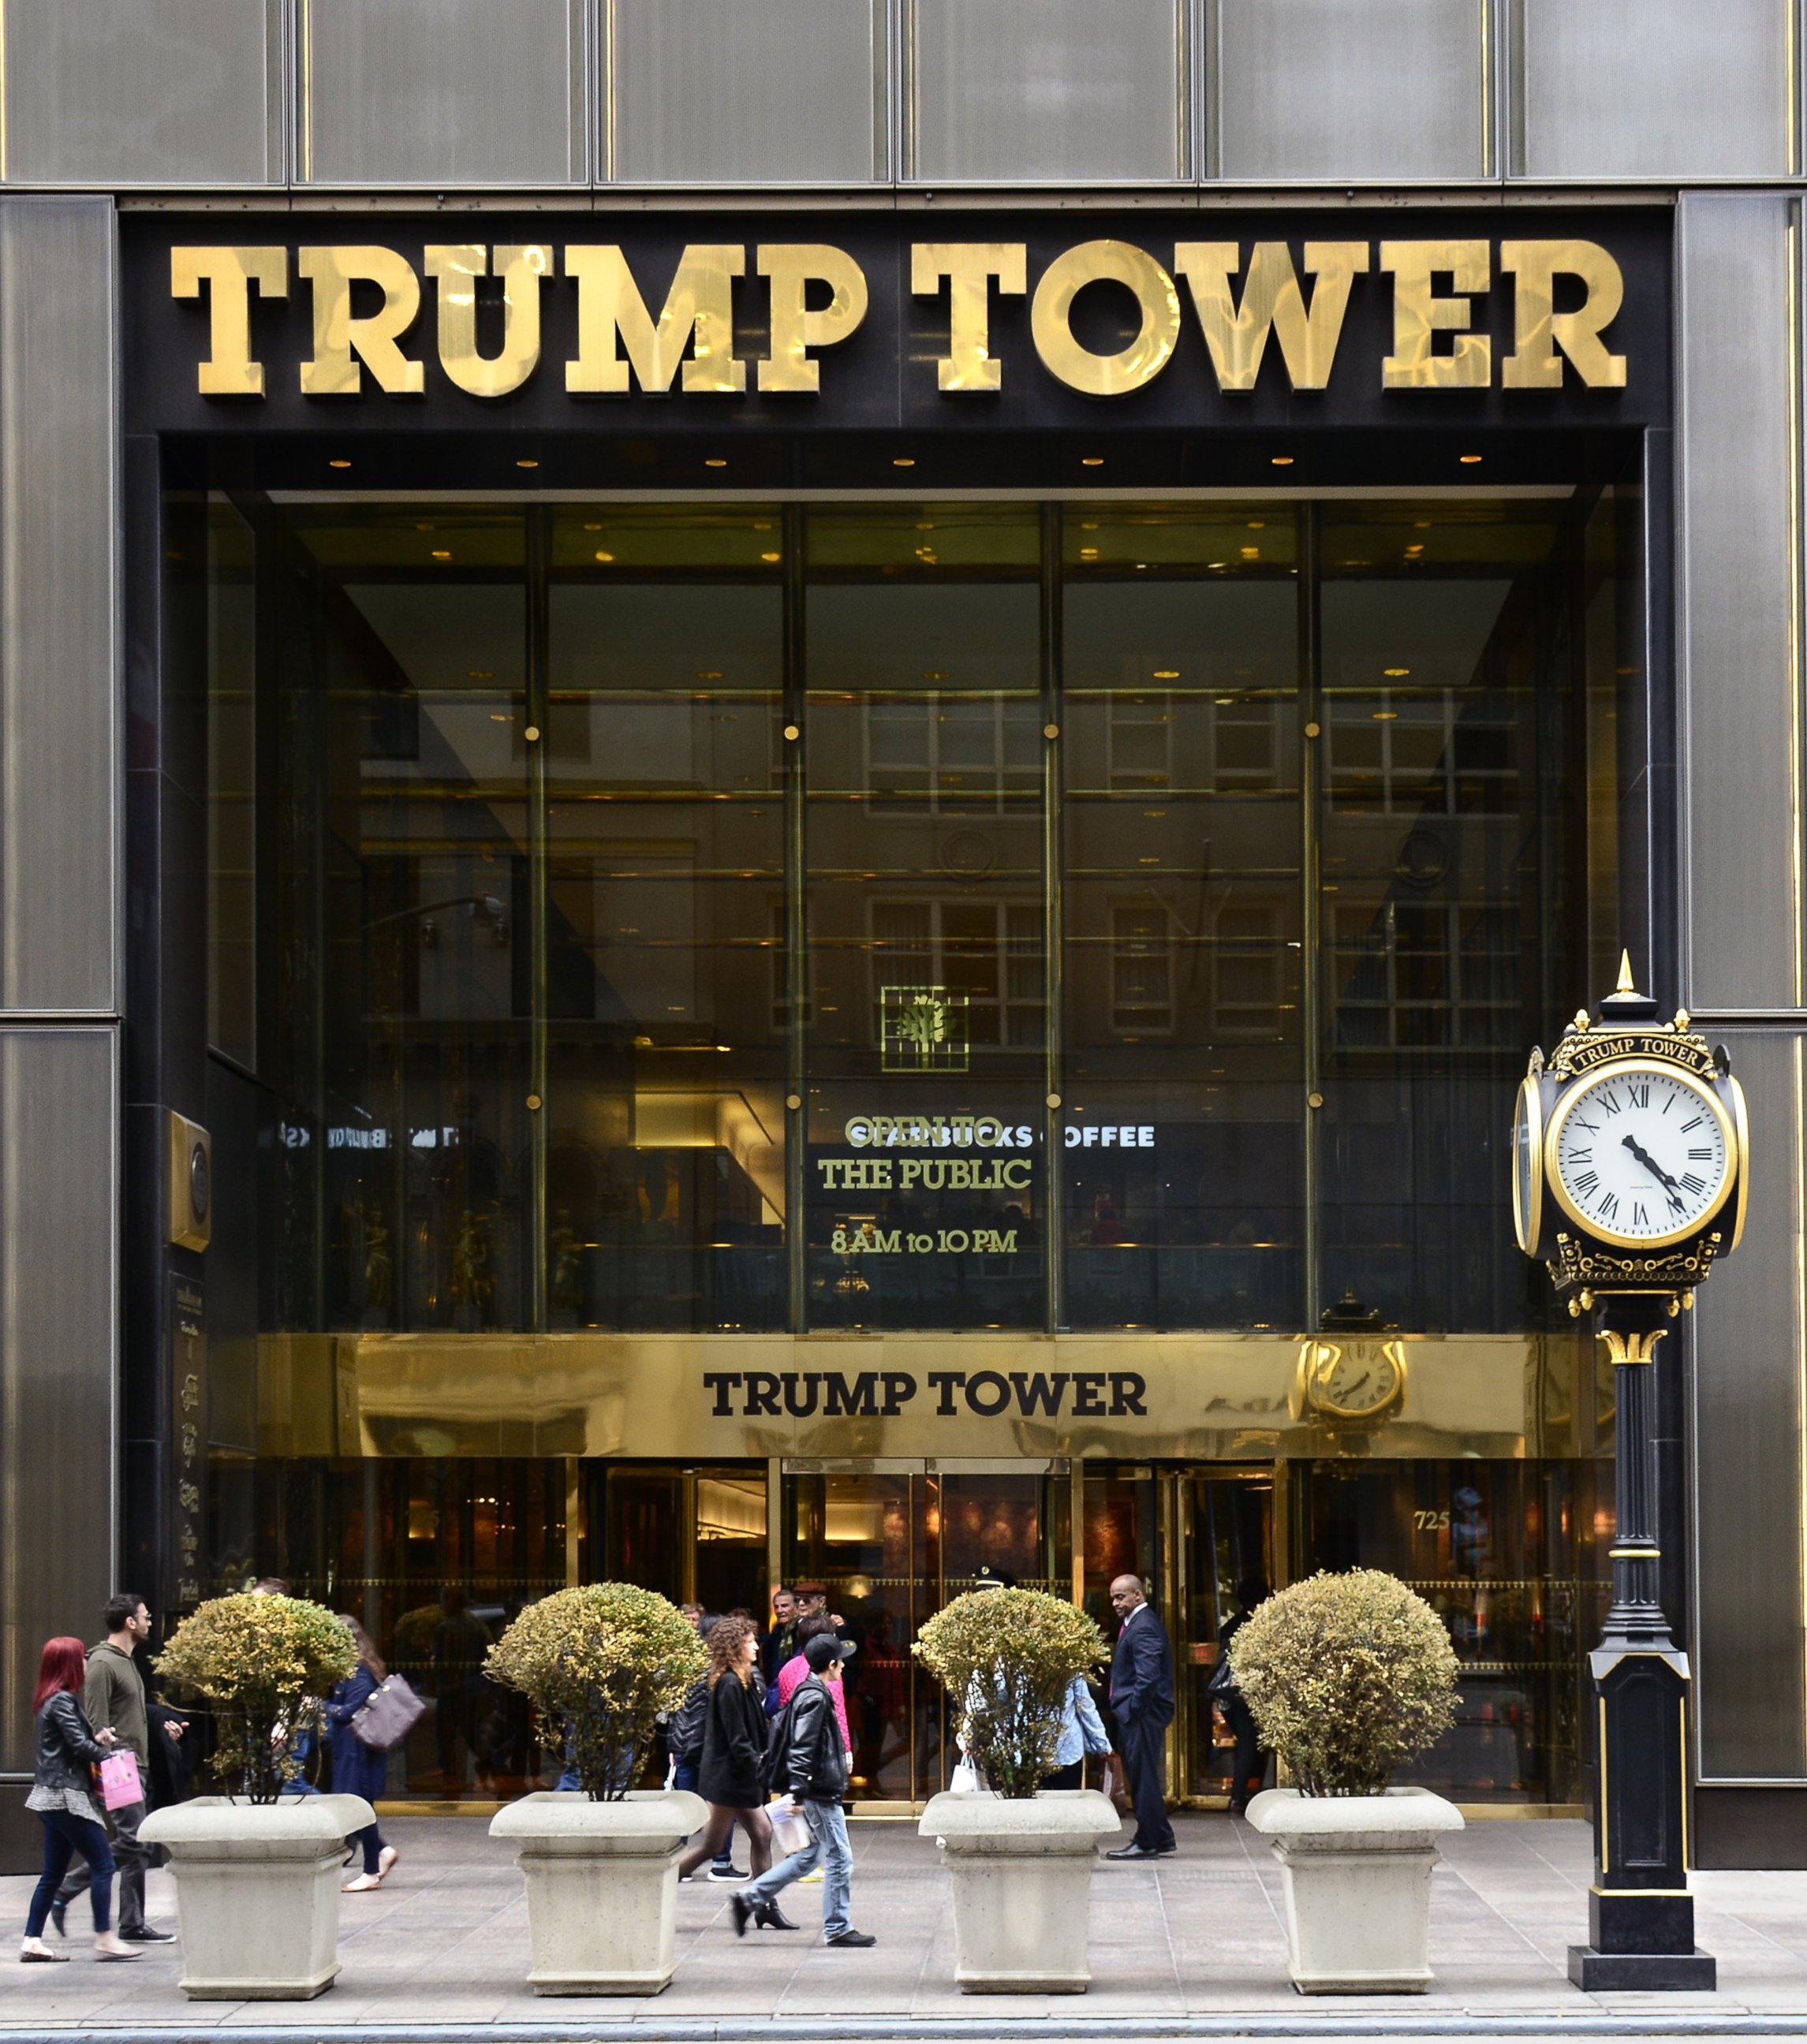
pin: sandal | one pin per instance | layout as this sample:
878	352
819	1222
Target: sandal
363	1885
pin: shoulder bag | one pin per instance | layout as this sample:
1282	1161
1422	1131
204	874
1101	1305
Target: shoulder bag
392	1711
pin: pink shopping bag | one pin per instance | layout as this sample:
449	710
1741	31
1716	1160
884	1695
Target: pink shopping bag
120	1784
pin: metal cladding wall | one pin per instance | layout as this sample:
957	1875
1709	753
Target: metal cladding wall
582	104
61	944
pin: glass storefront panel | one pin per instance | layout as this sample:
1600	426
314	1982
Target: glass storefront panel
1452	859
663	900
926	1168
404	989
1183	1096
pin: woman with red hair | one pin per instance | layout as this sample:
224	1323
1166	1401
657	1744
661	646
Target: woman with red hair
68	1747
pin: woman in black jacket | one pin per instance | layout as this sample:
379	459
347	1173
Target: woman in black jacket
68	1748
733	1749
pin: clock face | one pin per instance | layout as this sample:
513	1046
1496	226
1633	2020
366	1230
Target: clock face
1641	1154
1360	1379
1527	1165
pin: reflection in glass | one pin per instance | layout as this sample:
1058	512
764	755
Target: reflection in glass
665	1181
926	915
1182	1143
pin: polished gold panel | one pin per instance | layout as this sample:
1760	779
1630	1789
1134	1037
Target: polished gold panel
340	342
456	268
1418	313
609	307
1212	1397
1271	301
969	268
791	268
229	274
1050	318
1539	330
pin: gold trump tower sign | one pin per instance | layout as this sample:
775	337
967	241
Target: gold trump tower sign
1249	301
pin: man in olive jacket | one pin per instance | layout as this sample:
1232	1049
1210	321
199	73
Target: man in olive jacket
116	1690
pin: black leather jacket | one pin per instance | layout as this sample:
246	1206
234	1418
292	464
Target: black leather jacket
815	1762
66	1746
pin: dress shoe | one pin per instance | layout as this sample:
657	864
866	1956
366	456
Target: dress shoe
1131	1852
743	1910
852	1938
772	1917
147	1934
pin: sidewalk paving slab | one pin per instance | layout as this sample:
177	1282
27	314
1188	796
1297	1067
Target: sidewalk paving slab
1192	1946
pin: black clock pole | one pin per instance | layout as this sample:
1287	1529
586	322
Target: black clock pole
1641	1916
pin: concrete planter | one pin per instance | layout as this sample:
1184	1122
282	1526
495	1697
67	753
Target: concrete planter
1356	1877
1022	1879
257	1890
601	1886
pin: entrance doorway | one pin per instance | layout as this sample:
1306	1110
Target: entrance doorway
891	1541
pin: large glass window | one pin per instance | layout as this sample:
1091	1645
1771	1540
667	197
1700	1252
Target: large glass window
746	917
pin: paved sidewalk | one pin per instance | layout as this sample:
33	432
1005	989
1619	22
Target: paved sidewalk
1191	1945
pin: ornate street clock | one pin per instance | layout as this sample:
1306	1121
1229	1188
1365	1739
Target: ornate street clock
1631	1155
1631	1172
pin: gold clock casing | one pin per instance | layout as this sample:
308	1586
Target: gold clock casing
1529	1114
1589	1224
1743	1121
1319	1356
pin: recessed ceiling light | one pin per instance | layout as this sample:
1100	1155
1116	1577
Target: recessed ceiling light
1251	553
935	674
440	554
771	557
1469	460
341	463
903	461
479	673
1386	716
1167	673
1281	460
602	556
1258	525
1395	673
424	529
713	461
1091	461
593	528
1088	553
524	464
1418	549
709	674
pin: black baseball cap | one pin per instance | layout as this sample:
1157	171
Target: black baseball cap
825	1648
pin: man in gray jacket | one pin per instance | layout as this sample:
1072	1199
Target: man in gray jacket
116	1690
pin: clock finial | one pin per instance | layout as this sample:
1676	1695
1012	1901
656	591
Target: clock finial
1626	1003
1626	985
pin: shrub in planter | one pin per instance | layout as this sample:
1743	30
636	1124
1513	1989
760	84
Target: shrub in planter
257	1880
263	1663
1020	1862
1349	1677
599	1664
1007	1658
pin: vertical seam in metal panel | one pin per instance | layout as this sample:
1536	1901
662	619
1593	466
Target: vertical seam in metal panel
577	91
880	27
1796	1246
539	709
304	88
1184	154
795	867
115	657
1309	623
1794	369
909	111
1683	658
1792	112
1489	87
605	69
278	69
1513	100
4	170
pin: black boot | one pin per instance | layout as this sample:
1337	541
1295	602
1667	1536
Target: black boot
772	1917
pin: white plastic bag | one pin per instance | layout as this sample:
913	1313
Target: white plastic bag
790	1831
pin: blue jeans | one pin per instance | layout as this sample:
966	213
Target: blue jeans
64	1835
829	1845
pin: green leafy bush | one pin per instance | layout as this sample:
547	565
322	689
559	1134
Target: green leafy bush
1348	1677
603	1660
264	1663
1007	1658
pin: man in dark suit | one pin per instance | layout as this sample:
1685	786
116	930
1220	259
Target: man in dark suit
1142	1701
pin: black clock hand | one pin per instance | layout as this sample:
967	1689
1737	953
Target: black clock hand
1651	1164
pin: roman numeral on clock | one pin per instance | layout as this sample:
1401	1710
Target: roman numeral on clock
1609	1206
1699	1156
1693	1182
1584	1186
